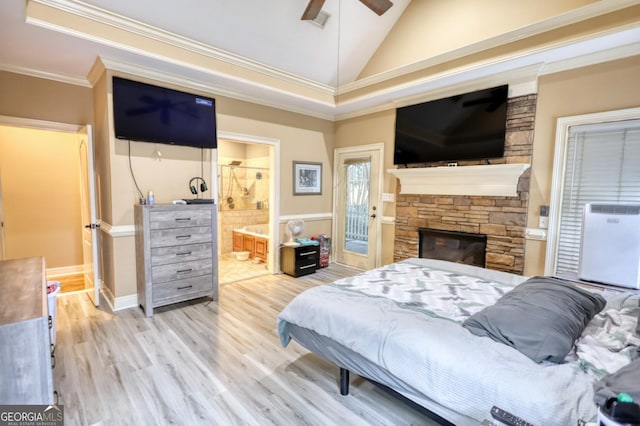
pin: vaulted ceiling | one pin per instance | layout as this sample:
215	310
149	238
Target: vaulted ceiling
358	62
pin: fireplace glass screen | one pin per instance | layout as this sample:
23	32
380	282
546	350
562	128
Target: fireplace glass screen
459	247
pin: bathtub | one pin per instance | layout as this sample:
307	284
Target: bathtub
252	239
260	230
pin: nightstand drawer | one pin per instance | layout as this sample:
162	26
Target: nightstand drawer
181	270
183	253
179	219
164	294
180	236
306	252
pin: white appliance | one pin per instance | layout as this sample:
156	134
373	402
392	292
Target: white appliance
610	244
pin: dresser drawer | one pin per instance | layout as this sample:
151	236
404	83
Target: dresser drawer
179	219
180	236
182	290
183	253
181	270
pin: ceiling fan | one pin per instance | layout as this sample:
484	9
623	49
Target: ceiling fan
314	6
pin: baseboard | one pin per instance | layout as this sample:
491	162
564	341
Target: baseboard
125	302
64	271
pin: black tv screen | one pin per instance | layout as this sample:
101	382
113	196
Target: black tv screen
148	113
463	127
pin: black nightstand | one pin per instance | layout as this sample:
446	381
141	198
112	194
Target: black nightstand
301	260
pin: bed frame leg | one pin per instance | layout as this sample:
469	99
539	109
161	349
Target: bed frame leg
344	381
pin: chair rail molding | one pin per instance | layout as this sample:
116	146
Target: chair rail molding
491	180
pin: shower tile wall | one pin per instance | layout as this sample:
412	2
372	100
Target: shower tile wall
249	189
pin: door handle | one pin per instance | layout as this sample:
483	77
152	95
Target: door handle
92	226
373	216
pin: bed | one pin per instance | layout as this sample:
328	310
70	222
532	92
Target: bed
410	327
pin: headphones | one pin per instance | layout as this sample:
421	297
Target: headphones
193	189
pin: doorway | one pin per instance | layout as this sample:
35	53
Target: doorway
248	176
357	183
41	196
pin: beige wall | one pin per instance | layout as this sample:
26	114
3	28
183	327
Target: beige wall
300	138
606	87
421	32
40	99
40	177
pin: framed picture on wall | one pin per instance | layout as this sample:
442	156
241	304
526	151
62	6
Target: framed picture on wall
307	178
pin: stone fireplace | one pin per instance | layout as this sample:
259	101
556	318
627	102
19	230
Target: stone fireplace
502	219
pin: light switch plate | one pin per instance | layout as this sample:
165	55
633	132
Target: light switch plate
388	196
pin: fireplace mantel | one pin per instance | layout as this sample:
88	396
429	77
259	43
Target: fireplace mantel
491	180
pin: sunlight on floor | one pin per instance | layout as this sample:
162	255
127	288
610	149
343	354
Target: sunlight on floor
232	270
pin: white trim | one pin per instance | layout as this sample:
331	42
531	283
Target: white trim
310	217
119	303
127	24
117	231
61	78
535	234
562	131
388	220
64	271
273	260
39	124
493	180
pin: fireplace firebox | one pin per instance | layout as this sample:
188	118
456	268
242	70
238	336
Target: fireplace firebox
459	247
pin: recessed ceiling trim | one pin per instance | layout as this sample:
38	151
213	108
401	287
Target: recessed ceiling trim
77	81
105	17
586	12
314	108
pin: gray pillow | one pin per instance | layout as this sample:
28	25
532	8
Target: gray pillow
542	317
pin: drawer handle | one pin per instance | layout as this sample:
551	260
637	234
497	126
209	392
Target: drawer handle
308	266
307	253
182	237
184	271
186	253
185	287
183	219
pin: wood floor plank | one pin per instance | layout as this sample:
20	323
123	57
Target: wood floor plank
217	363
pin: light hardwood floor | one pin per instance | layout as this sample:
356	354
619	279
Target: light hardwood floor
211	364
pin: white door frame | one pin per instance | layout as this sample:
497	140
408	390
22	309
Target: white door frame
273	259
378	203
55	127
2	252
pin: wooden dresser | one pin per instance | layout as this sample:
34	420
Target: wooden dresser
176	253
25	348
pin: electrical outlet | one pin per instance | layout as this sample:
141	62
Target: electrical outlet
543	222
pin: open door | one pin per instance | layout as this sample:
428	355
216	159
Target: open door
89	216
357	218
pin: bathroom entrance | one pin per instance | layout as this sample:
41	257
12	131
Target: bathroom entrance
244	191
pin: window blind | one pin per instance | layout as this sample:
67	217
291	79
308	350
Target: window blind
602	164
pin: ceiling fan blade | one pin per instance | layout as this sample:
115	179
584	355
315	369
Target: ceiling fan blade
312	10
378	6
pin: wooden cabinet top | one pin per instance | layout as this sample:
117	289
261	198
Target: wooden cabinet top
23	290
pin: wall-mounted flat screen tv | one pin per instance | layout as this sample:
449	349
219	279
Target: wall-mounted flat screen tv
148	113
470	126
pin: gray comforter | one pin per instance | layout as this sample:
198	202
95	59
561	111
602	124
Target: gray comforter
446	368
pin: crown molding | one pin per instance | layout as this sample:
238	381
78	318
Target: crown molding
102	64
106	17
580	14
76	81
